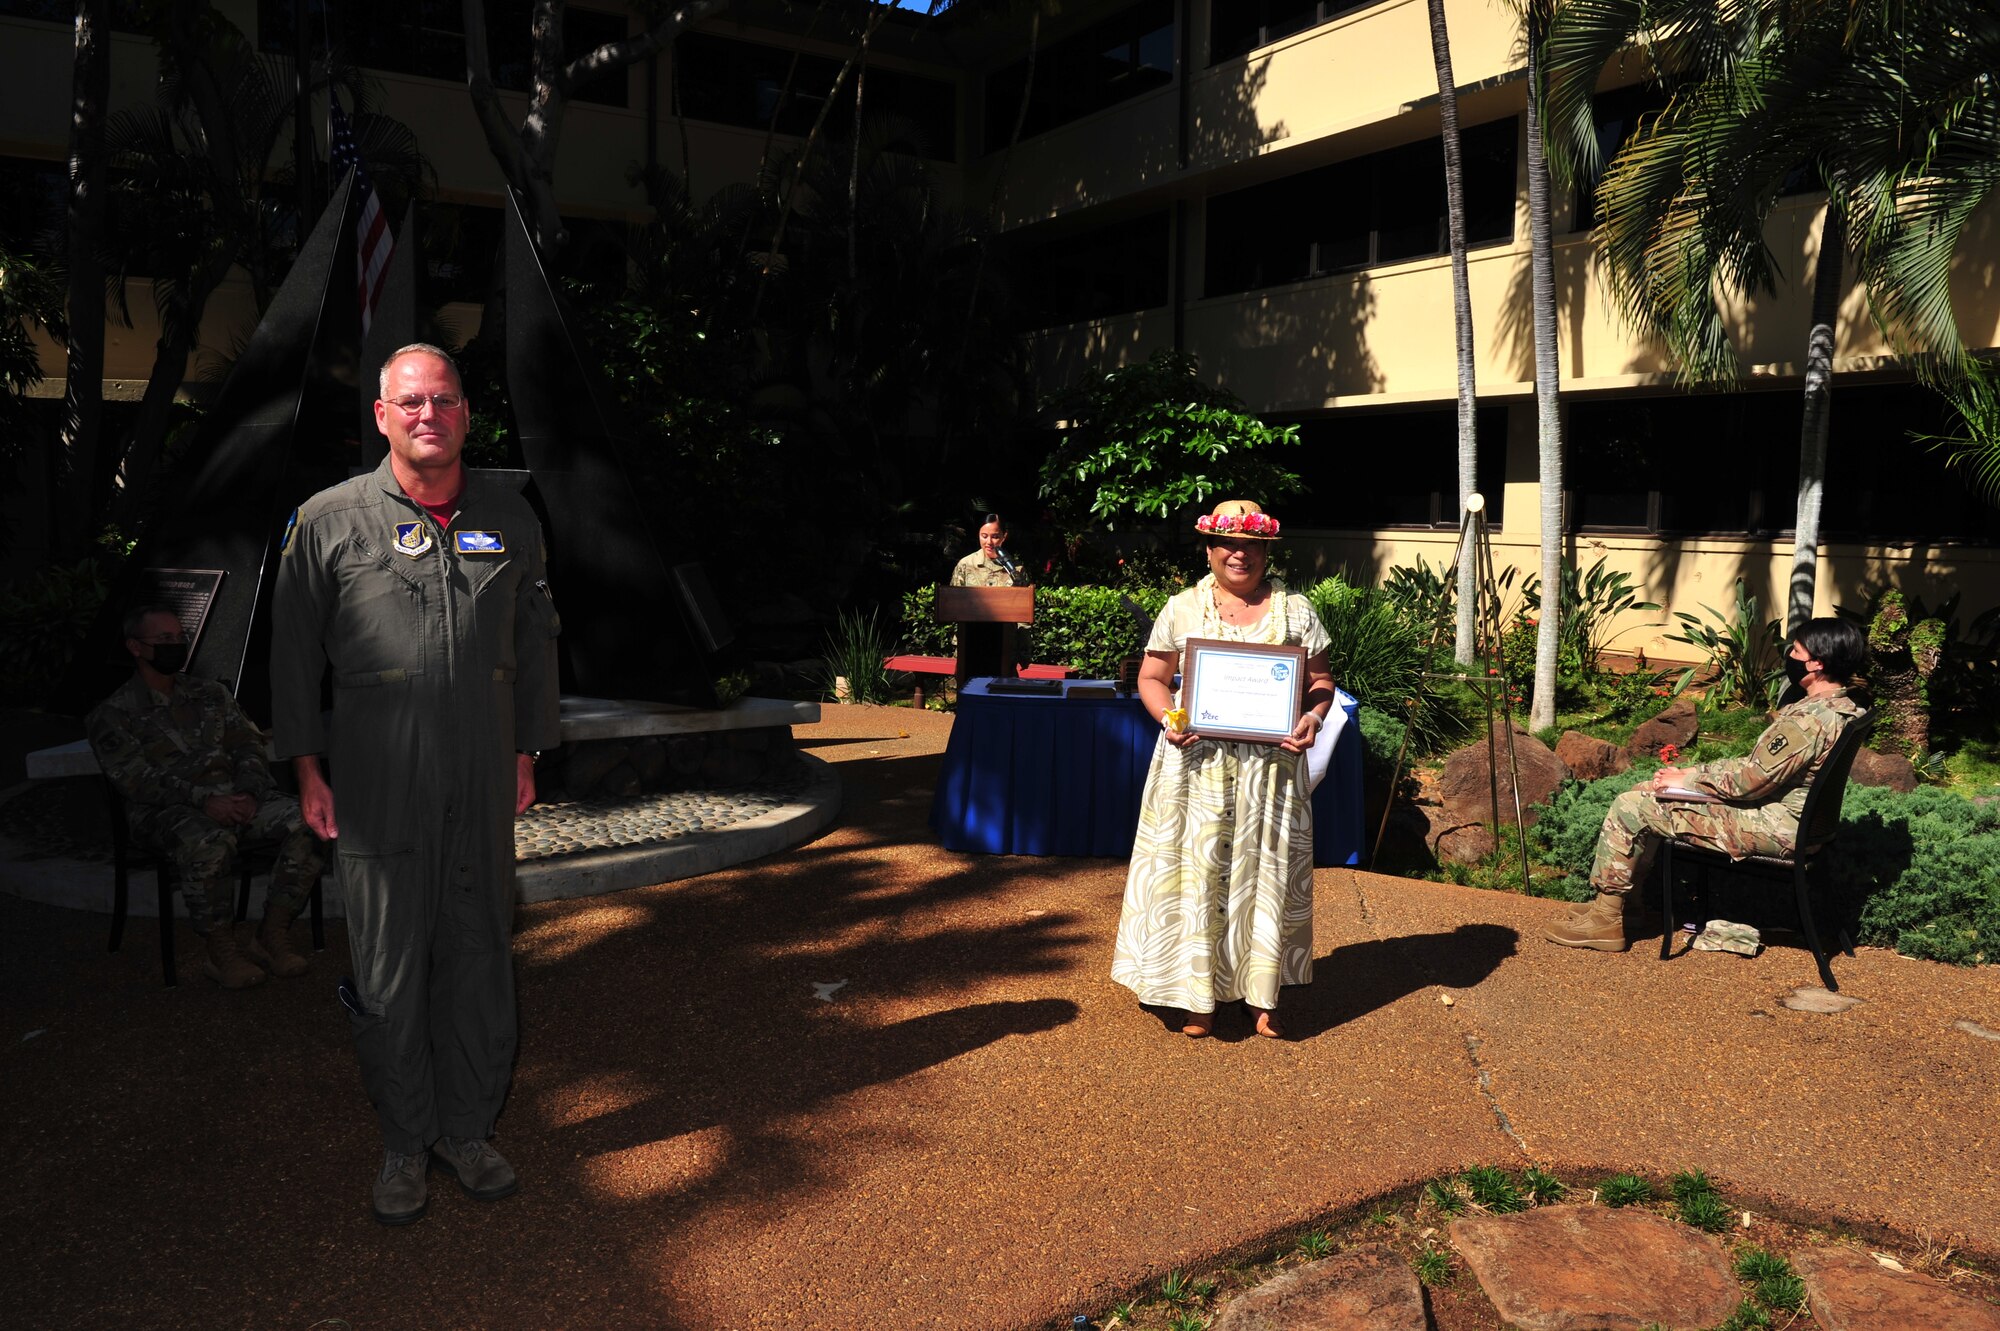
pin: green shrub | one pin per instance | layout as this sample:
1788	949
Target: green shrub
1091	628
43	622
1923	870
920	634
1381	740
855	647
1379	658
1624	1190
1566	832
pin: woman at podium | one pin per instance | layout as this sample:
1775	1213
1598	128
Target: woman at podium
990	565
1218	900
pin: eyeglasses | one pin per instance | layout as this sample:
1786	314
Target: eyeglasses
413	404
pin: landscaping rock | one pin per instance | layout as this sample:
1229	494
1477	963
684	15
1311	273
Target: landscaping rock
1364	1289
1466	844
1465	786
1892	770
1677	726
1851	1291
1589	1268
1589	758
1812	998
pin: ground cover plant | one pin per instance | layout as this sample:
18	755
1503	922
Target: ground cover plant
1415	1224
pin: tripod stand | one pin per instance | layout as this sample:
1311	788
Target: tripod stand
1475	542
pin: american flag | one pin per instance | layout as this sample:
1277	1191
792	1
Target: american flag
372	242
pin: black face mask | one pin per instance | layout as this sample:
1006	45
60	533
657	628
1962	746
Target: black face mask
1795	670
169	657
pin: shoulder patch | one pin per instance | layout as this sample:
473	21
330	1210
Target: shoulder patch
1781	744
291	530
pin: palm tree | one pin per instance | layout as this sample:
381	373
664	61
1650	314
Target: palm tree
1535	17
1891	105
83	392
1461	309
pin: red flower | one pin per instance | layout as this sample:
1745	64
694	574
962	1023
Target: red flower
1669	752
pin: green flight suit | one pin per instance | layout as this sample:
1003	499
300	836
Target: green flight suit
441	644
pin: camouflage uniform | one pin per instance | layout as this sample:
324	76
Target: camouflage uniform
166	754
976	570
1766	792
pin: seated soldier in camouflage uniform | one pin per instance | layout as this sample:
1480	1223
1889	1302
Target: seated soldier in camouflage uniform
1761	795
191	768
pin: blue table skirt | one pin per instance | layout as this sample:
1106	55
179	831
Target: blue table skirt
1047	775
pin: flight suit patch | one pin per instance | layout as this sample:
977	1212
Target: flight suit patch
412	538
480	542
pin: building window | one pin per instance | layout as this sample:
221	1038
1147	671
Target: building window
1236	26
1727	464
1382	208
1113	60
730	82
1090	275
1366	469
126	15
428	39
34	202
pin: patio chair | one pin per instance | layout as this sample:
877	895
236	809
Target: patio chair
1819	821
127	857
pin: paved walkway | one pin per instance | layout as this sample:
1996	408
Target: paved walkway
975	1129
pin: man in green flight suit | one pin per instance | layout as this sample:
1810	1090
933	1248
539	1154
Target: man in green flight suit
1756	800
422	588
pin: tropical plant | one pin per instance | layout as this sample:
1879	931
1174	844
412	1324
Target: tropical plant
1421	594
1380	658
1892	107
44	619
1153	440
856	646
1745	658
1592	600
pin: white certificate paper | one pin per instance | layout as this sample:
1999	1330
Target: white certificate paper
1235	691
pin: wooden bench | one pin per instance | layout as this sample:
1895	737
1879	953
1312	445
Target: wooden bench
948	666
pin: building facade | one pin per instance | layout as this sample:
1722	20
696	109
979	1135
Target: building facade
1258	183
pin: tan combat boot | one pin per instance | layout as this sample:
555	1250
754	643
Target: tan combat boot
1600	925
226	965
272	947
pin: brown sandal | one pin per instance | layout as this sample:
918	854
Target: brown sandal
1198	1025
1267	1025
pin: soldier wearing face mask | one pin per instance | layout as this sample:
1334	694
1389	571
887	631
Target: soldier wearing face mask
190	766
1757	798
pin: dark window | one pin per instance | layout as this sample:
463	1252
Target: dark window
1622	113
34	196
1382	208
1727	464
427	37
125	14
1366	469
1236	26
1112	61
729	82
1111	270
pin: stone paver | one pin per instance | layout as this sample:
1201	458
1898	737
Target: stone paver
1362	1289
1585	1268
1811	998
1851	1291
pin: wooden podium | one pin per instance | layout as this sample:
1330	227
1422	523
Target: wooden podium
986	619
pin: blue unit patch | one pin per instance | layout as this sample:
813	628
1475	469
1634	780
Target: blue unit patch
291	530
413	538
480	543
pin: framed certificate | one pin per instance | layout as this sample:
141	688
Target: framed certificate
1242	690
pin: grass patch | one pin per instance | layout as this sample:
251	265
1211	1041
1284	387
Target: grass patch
1446	1195
1625	1190
1433	1267
1492	1188
1542	1187
1315	1245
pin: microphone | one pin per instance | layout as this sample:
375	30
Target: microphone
1013	570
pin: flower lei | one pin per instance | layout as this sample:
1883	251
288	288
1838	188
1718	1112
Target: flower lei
1273	627
1237	524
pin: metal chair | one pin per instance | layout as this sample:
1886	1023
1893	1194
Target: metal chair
1819	821
127	857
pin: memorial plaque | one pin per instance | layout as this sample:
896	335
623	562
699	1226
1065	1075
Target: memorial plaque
190	591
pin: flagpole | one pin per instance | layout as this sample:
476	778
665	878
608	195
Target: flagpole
305	160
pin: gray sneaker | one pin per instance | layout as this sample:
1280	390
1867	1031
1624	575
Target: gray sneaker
479	1169
402	1194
